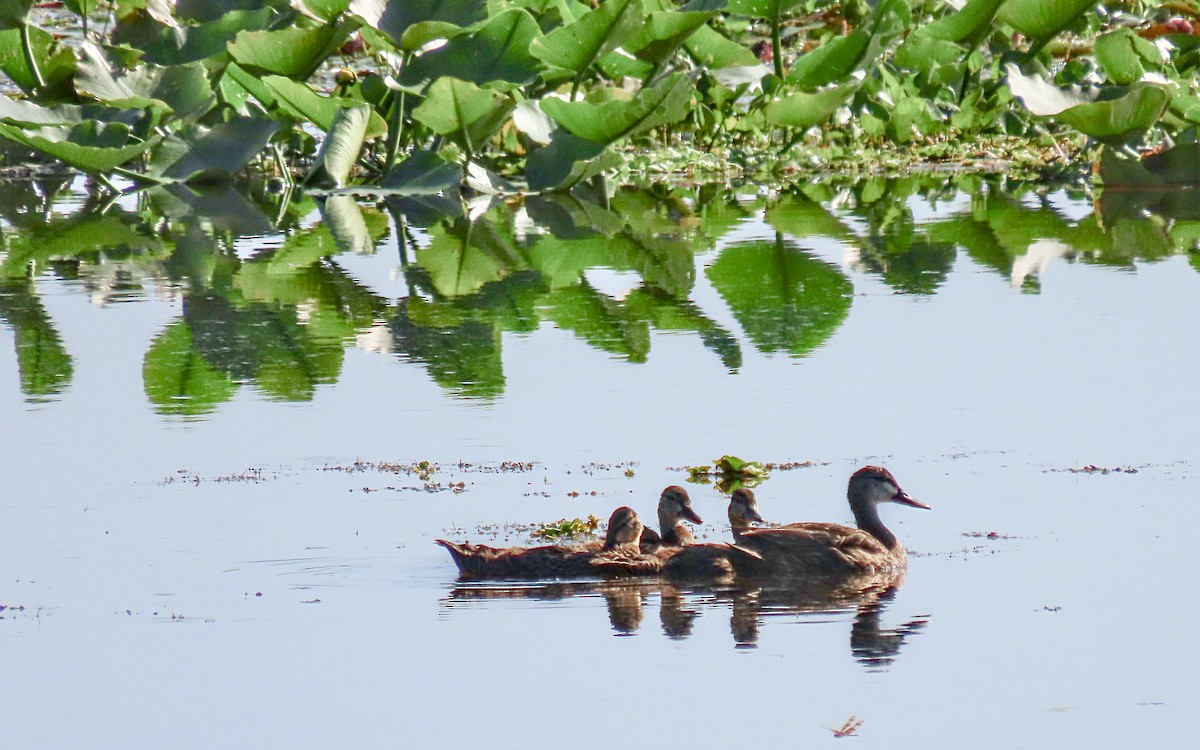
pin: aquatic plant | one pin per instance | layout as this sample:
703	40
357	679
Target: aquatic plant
415	97
567	528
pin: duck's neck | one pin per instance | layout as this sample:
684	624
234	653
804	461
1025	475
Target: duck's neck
677	535
673	531
866	516
739	526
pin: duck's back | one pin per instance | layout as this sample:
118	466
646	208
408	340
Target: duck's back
821	548
551	561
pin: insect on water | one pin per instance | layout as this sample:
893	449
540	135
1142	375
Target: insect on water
849	728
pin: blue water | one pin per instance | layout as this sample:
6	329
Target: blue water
205	570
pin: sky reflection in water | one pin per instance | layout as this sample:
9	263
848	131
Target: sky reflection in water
985	341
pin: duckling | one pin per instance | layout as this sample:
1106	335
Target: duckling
710	563
743	511
551	561
674	506
815	548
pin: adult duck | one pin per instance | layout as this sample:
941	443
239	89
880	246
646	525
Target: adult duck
674	507
550	561
815	548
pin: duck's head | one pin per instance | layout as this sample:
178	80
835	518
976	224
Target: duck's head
874	485
624	527
674	505
743	509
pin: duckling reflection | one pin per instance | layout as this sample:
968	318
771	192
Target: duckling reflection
750	607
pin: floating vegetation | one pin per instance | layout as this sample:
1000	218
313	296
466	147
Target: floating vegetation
249	476
729	473
567	528
1093	469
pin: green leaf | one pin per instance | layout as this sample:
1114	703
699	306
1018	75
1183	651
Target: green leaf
968	25
212	154
1122	118
664	103
424	174
394	17
714	50
499	51
803	110
663	33
14	13
836	59
462	109
577	45
567	161
299	101
55	63
761	8
1124	56
1038	19
180	89
191	43
339	152
91	147
294	52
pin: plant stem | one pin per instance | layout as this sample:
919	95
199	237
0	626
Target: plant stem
30	60
777	45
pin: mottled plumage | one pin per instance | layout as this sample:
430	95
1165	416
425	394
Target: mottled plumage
550	561
816	548
674	506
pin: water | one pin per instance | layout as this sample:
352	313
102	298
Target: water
214	532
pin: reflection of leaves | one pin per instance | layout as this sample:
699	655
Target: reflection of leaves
666	313
45	366
463	354
909	265
462	258
599	321
785	299
802	217
267	344
178	380
85	236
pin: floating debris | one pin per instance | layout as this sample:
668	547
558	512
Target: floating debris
987	535
1093	469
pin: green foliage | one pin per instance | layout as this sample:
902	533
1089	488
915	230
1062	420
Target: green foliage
729	473
567	528
548	95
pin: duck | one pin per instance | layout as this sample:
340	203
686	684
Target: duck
743	512
550	561
687	560
816	548
674	506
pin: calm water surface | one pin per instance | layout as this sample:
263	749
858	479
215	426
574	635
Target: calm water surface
214	534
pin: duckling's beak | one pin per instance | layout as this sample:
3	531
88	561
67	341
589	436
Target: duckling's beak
904	498
690	514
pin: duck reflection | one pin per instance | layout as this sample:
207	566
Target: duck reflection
750	606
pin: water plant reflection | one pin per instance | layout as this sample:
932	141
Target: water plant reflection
265	300
749	606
